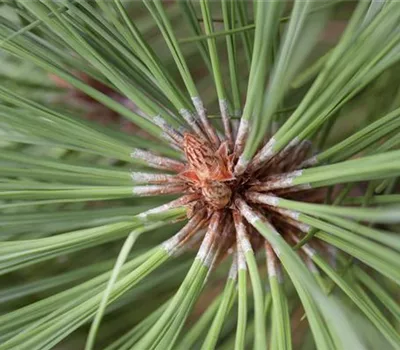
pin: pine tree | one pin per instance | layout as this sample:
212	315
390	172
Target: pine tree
199	175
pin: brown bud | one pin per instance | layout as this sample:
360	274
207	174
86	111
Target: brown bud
217	194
